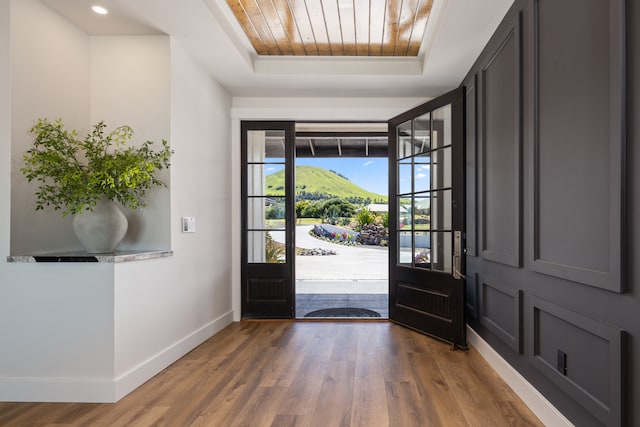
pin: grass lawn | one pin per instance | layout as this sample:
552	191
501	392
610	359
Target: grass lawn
308	221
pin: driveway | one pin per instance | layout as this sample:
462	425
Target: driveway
349	263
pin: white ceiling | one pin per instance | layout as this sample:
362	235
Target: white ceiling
456	33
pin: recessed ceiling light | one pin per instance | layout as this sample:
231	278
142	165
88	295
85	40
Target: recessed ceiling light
99	10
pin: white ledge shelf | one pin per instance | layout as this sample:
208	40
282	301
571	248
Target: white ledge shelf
116	257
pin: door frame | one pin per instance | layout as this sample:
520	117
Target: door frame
307	109
274	305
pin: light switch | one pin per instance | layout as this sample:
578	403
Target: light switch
188	224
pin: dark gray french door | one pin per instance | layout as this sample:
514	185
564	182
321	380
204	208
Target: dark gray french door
426	218
268	216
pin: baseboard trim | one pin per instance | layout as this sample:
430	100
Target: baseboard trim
106	390
539	405
138	375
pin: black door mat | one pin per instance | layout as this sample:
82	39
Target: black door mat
343	312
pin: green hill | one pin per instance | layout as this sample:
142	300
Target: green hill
313	181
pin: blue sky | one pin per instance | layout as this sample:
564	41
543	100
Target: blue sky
368	173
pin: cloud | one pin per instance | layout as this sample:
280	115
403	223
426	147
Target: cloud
421	175
270	169
367	163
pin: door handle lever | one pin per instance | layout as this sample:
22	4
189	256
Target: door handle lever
457	255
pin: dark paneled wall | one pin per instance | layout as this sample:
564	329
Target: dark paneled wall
552	217
500	169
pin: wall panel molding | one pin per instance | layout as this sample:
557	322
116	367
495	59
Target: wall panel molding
471	300
593	368
500	128
578	172
471	165
501	311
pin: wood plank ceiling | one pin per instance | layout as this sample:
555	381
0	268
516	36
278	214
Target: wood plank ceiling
333	27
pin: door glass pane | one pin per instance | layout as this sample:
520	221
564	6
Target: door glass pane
422	250
441	131
265	180
424	193
274	146
405	138
265	146
266	247
440	212
441	169
422	173
265	212
441	251
422	133
404	176
404	248
274	179
421	211
404	213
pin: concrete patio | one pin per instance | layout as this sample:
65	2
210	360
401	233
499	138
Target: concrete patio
357	277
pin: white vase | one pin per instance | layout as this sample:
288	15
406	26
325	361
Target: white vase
101	230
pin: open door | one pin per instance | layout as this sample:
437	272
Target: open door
268	220
426	218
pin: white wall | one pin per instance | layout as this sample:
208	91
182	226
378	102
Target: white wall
166	307
60	72
130	85
50	78
54	323
94	332
5	128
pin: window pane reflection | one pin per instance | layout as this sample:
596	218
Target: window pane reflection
441	133
404	176
404	213
422	250
421	212
441	169
405	138
441	251
422	173
422	133
441	210
404	248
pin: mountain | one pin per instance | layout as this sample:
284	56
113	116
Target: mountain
311	180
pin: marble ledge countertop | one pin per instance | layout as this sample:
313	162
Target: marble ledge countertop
116	257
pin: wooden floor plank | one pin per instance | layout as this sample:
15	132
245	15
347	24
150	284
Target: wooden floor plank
369	405
304	374
333	407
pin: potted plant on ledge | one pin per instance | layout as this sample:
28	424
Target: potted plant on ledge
85	177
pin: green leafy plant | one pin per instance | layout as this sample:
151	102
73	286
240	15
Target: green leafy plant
385	219
365	217
344	221
74	174
273	251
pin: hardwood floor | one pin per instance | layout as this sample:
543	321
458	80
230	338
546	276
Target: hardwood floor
280	373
